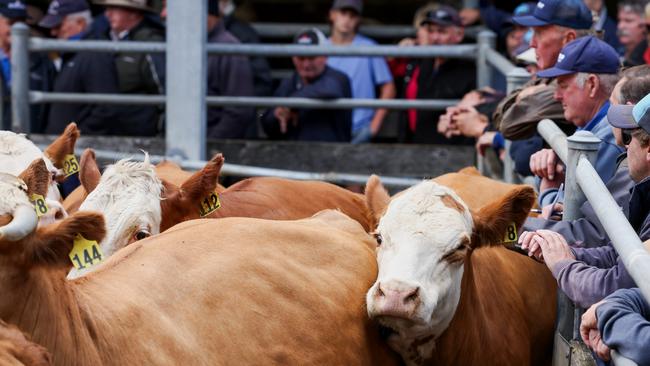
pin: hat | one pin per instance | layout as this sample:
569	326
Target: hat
59	9
356	5
144	5
567	13
631	116
13	9
585	54
444	16
311	37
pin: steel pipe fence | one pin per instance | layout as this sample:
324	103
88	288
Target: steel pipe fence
579	152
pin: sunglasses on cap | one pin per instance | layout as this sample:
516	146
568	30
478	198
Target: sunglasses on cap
627	134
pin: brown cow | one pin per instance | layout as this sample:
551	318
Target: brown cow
236	291
17	350
448	289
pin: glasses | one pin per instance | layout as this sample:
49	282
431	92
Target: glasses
626	135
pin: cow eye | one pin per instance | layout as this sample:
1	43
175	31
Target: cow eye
141	234
379	238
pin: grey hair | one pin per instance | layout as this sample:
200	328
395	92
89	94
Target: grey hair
607	81
86	15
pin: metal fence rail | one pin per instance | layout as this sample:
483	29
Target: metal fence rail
583	182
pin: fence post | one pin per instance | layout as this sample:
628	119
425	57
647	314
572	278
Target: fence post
516	78
582	143
186	79
20	119
485	40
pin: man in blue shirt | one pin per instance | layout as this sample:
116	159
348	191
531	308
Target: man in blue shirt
365	73
586	72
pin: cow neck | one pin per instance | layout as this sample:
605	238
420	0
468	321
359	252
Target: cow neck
45	305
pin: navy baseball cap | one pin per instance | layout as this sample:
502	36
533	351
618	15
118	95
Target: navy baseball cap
586	54
356	5
13	9
631	116
58	9
567	13
443	16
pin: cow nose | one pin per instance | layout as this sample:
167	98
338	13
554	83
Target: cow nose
396	298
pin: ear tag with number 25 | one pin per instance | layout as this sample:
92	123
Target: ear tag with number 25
70	165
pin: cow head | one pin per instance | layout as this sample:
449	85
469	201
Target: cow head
424	236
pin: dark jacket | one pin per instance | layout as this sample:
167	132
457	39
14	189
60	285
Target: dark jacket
452	80
228	76
597	272
314	124
41	78
262	81
85	72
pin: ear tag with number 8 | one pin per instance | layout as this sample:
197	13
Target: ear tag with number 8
85	253
70	165
210	204
39	205
511	234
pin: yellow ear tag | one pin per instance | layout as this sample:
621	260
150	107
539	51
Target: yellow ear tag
85	253
39	205
210	204
511	234
70	165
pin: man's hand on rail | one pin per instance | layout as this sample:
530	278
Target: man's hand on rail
554	247
590	333
444	122
407	42
527	243
485	142
544	164
549	210
472	99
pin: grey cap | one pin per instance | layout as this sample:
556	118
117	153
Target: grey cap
356	5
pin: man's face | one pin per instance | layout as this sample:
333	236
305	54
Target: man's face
514	39
614	99
435	34
638	158
547	42
121	19
5	34
577	104
631	28
68	28
309	68
344	21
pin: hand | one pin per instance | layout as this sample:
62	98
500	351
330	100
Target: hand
544	164
529	91
470	16
554	247
548	210
469	122
590	333
472	99
407	42
527	243
283	115
485	142
444	122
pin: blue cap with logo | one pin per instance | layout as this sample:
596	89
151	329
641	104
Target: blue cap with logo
567	13
631	116
13	9
58	9
585	54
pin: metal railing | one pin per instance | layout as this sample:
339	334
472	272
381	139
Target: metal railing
582	182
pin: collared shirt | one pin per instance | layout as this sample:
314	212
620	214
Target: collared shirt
602	112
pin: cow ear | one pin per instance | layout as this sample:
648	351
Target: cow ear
377	198
37	178
492	221
53	243
89	174
63	145
203	182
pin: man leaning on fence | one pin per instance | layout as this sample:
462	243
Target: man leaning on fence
137	73
83	72
586	72
587	275
312	79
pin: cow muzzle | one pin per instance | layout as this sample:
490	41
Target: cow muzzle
395	299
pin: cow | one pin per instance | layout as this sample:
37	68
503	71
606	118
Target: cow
138	204
16	349
448	291
236	291
17	152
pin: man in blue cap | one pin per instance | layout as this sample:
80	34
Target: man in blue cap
586	72
41	69
555	23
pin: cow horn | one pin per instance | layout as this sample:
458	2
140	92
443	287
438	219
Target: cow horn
23	223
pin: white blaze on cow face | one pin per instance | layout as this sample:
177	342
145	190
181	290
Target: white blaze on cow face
128	194
424	235
16	153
